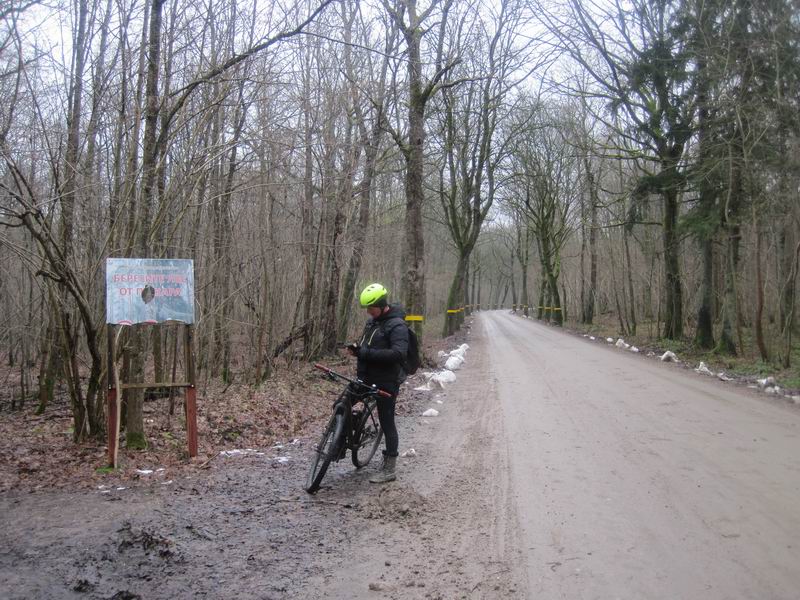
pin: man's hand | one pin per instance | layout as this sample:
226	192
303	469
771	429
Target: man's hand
353	349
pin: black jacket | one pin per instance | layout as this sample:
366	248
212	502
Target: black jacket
384	346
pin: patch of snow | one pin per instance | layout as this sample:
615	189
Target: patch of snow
634	349
651	353
444	377
796	399
437	379
408	453
703	369
621	344
166	482
591	337
431	412
766	383
459	352
770	390
669	356
722	377
119	489
454	363
281	459
439	402
241	452
610	340
144	471
102	487
441	355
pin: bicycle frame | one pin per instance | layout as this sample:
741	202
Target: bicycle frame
356	391
333	375
346	429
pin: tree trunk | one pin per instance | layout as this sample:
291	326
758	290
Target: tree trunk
704	336
759	280
360	231
456	294
629	281
726	343
673	317
588	306
135	436
413	280
791	265
336	226
307	228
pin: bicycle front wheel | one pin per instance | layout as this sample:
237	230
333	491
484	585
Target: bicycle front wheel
326	451
368	435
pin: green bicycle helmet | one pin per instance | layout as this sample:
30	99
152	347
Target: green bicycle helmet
372	295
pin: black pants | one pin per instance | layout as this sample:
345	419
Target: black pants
386	418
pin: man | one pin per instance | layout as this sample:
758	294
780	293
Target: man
380	354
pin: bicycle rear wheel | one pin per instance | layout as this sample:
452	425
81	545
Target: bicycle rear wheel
368	435
327	449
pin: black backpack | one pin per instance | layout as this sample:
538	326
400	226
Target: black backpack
413	359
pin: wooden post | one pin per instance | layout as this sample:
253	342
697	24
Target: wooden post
111	399
111	424
191	394
191	420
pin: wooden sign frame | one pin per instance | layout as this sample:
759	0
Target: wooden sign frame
189	384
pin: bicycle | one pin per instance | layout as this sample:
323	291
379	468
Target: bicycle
350	427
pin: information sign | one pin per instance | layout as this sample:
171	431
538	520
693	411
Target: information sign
149	290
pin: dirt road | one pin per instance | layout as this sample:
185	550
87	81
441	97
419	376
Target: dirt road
635	479
558	468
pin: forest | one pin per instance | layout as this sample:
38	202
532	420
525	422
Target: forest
626	165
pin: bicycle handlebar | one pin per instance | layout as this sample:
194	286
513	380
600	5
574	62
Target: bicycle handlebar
332	373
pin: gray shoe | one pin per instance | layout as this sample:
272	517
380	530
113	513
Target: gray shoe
387	473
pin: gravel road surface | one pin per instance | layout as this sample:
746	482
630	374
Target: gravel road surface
637	479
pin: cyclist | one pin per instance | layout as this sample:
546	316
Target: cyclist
381	352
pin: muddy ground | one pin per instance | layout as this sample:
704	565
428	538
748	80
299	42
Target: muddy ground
243	527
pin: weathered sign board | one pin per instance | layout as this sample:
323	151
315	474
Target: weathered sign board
149	290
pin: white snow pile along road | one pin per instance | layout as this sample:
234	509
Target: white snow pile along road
669	356
703	369
453	360
623	345
454	363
